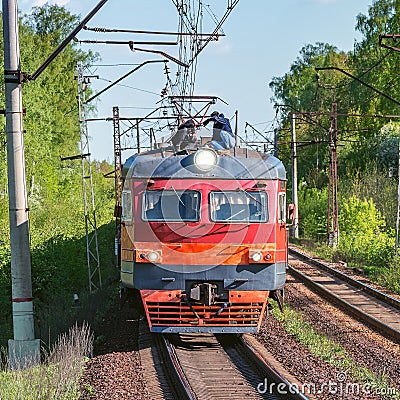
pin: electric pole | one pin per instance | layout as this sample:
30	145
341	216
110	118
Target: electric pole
117	184
89	206
24	349
295	200
276	142
138	136
333	206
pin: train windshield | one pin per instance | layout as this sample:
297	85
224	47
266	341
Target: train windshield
171	205
239	206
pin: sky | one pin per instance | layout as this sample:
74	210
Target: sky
263	38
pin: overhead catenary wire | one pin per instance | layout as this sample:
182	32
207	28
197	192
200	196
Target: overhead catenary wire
115	65
191	40
166	33
191	21
123	77
366	71
130	87
360	81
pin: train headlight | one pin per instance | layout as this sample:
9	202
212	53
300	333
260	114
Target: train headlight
152	256
202	161
205	159
256	257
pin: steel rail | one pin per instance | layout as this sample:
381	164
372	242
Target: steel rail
182	391
346	278
161	369
269	371
333	298
209	378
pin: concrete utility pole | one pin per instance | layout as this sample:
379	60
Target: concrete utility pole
118	186
295	200
24	349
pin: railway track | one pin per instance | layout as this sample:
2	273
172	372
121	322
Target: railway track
363	301
205	366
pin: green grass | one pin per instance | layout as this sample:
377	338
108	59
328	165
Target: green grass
59	270
57	377
386	277
328	350
37	383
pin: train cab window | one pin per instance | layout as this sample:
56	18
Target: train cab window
171	205
239	206
126	205
282	207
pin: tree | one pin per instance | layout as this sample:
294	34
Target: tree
51	121
54	188
359	138
300	89
51	22
367	145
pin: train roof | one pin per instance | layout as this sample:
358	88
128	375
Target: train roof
238	163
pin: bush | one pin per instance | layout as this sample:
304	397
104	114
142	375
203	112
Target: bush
373	183
362	233
312	212
363	236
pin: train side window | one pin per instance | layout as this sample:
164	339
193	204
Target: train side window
126	205
282	207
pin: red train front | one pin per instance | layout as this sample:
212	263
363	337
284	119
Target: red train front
203	237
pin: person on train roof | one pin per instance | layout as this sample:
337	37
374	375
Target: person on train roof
223	137
187	124
185	135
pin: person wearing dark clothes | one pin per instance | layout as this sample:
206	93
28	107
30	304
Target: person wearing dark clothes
187	124
185	135
223	137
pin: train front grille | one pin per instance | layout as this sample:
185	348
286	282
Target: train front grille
176	312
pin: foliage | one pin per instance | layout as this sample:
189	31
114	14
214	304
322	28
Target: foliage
51	20
57	227
373	183
374	65
367	138
387	153
362	236
312	212
300	89
304	333
389	277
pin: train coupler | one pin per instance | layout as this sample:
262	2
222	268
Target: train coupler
205	293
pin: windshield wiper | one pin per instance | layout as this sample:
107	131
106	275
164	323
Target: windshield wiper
251	196
177	195
234	215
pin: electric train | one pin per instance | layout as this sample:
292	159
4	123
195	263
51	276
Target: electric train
203	237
